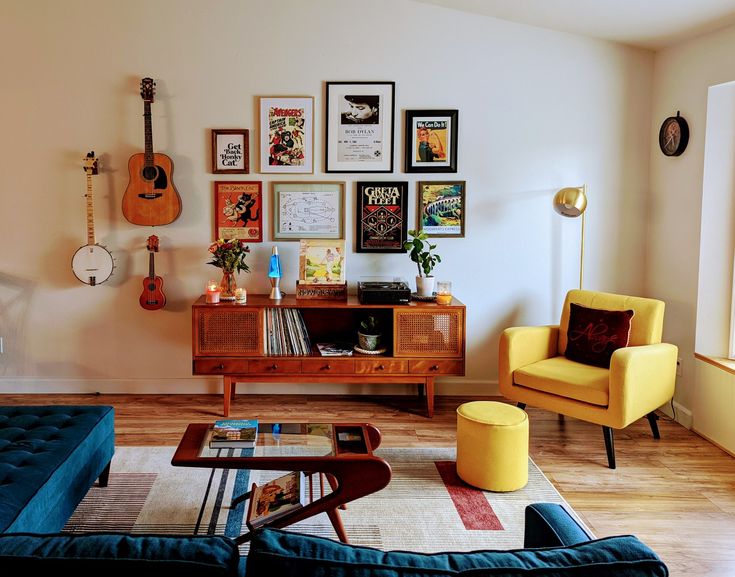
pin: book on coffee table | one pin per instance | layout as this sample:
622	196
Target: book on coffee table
234	434
275	499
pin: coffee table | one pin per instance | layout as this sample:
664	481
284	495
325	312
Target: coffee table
341	451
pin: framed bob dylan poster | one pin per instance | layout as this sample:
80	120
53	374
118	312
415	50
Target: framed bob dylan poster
441	208
308	210
238	211
360	117
431	140
381	216
287	134
230	151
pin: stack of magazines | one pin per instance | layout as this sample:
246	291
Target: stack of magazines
234	434
275	499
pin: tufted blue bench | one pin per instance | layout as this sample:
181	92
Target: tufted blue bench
49	458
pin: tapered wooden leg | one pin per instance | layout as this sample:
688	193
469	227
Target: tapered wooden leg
420	390
430	396
339	528
227	393
652	418
609	446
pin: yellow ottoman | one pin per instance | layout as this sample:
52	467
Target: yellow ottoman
492	445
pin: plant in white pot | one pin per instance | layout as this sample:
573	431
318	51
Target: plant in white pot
369	334
419	249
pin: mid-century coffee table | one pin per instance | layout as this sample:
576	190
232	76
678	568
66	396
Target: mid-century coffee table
341	451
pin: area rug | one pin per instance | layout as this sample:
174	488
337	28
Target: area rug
426	507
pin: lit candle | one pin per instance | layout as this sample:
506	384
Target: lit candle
443	292
213	290
241	295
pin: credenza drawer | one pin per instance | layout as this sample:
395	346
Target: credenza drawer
220	367
274	366
380	366
430	367
328	366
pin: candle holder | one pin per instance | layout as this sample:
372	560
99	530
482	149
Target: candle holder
212	292
443	292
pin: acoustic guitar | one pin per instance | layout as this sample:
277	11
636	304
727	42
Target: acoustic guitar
92	263
152	297
151	199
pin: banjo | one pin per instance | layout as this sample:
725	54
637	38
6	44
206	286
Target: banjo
92	263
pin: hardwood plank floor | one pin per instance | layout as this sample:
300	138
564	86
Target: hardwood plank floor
677	494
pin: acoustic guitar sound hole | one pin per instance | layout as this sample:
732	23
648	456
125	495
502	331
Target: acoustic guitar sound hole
149	172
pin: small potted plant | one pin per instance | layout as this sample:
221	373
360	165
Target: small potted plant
369	334
419	249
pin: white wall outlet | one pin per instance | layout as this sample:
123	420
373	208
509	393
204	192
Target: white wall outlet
678	366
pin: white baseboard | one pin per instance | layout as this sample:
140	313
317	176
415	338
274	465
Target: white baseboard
683	415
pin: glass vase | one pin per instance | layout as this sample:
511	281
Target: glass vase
228	286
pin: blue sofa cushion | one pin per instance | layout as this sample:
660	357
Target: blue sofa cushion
108	554
277	552
49	458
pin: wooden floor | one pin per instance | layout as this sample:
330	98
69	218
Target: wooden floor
677	494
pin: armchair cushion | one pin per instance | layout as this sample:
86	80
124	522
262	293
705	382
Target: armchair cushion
568	379
594	334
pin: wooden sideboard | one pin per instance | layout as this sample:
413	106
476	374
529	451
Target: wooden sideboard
423	340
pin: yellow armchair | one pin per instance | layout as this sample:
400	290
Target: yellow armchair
534	371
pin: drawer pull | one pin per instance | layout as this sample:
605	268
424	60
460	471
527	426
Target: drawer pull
381	367
434	368
221	366
273	367
326	368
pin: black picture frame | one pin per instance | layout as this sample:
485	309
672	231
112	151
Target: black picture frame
440	210
381	216
359	133
431	141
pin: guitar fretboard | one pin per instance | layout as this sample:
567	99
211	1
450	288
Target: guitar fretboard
148	133
90	211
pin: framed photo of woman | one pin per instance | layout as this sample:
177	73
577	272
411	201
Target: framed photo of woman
431	140
360	119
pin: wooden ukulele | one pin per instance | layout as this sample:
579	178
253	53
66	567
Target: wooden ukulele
151	198
152	297
92	263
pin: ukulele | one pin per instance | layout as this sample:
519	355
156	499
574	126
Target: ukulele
152	297
151	198
92	263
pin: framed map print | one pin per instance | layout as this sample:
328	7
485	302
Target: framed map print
381	215
441	208
238	211
308	210
431	140
287	134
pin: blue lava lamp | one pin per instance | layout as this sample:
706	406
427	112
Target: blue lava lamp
274	274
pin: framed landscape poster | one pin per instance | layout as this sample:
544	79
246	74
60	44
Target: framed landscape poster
381	216
441	208
238	211
360	118
230	151
308	210
431	140
287	134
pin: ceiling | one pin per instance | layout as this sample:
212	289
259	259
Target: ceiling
650	24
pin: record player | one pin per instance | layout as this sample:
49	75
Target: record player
383	291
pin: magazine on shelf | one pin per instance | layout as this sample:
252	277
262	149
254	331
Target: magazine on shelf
335	349
275	499
234	434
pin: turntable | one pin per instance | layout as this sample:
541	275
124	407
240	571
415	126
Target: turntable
383	291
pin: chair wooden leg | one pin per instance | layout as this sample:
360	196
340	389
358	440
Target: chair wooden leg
521	405
609	446
652	418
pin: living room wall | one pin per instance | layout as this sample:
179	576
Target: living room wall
538	110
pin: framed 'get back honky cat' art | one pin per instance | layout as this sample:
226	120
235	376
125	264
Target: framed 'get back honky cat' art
238	210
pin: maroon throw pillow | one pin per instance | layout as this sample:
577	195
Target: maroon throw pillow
594	334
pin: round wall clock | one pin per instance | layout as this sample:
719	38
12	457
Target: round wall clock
674	135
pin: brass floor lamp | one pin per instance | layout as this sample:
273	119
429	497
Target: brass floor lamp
572	202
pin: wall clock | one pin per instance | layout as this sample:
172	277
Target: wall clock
674	135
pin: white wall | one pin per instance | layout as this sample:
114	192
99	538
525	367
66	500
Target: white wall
539	110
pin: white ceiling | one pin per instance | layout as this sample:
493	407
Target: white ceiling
651	24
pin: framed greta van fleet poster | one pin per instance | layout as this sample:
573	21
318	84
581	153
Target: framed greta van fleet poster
287	135
360	118
431	140
238	210
381	216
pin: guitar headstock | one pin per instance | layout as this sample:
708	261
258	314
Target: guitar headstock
147	89
91	163
153	243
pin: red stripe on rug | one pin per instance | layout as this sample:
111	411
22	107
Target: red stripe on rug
471	504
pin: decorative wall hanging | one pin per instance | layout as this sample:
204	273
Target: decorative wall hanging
308	210
441	208
287	134
238	210
431	140
381	216
230	151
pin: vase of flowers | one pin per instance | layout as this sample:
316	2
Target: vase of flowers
229	255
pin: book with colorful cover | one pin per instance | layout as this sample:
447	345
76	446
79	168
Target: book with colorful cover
275	499
234	434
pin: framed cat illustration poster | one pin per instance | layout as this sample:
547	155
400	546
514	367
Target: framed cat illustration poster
238	210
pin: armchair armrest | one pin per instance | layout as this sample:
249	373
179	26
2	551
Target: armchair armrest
642	379
551	525
521	346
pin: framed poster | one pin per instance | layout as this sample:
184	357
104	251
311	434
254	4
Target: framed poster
238	211
287	134
381	216
441	210
360	117
322	261
431	140
230	151
308	210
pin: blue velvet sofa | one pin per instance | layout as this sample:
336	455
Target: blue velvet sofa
555	546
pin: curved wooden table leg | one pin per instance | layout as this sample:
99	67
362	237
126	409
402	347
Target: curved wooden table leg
339	528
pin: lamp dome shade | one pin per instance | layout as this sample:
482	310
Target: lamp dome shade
571	201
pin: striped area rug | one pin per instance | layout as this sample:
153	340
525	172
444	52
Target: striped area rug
424	508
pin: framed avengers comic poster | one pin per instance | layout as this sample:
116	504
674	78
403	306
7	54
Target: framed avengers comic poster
381	216
441	208
238	211
431	140
287	134
360	118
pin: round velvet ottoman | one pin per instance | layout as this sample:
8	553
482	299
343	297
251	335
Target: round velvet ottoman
492	445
